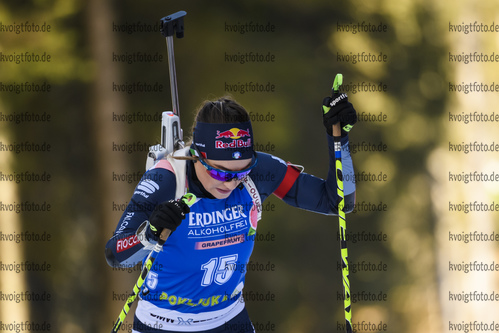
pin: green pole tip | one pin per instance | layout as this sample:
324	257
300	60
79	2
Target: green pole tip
338	81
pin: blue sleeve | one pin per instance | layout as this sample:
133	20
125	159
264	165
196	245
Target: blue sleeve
308	192
126	247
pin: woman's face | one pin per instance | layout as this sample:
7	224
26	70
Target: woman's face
220	189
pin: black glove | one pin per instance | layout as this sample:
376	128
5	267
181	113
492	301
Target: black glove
338	109
169	215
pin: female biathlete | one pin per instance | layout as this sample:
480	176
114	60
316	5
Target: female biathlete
196	282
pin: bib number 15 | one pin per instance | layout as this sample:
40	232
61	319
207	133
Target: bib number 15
218	270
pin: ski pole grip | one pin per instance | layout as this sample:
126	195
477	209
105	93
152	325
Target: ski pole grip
338	81
189	199
337	130
164	235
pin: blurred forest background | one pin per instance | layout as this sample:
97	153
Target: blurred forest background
309	42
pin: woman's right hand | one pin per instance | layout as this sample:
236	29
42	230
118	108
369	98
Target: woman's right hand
169	215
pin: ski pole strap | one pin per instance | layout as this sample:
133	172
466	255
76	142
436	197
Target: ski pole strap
289	179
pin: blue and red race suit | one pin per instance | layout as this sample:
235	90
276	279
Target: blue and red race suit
197	280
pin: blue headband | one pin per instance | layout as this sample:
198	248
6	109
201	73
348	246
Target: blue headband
224	141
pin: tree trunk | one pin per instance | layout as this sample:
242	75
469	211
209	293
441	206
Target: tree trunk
105	103
11	253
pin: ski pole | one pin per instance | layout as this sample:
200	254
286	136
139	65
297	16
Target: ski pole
189	199
338	81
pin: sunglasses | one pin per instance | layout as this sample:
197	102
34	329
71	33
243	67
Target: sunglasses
225	175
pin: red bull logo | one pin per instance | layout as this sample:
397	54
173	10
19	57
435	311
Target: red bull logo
234	144
233	133
237	135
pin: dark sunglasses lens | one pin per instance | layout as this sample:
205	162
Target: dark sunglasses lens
242	175
227	176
